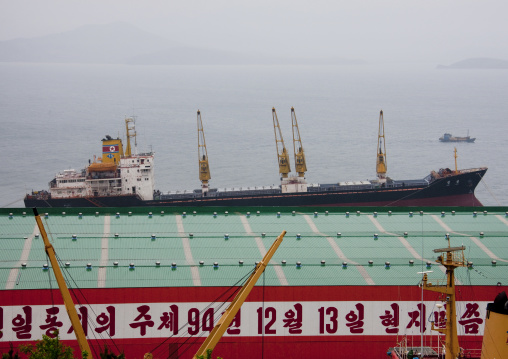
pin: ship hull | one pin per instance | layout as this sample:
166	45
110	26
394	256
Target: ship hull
456	190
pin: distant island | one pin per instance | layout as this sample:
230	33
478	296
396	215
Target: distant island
477	63
123	43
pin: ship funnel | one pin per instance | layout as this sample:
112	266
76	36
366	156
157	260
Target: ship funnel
112	150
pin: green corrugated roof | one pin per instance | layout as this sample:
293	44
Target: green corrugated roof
103	237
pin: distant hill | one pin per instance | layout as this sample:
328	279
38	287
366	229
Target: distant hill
111	43
122	43
477	63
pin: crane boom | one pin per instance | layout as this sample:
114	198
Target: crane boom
300	164
69	304
204	168
282	154
381	164
233	308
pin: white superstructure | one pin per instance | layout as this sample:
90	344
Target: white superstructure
114	174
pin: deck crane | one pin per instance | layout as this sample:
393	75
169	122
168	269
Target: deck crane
282	154
233	308
204	168
300	164
69	304
130	130
381	164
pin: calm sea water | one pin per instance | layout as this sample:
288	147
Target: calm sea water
54	116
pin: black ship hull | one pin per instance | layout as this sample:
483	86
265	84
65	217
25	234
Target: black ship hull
453	190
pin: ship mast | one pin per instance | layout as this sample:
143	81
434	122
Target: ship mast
204	168
451	258
282	154
300	164
381	164
130	130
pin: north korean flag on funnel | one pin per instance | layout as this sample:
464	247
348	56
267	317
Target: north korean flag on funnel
110	149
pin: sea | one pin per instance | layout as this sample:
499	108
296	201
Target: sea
54	116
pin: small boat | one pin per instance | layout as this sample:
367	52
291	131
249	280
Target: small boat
448	137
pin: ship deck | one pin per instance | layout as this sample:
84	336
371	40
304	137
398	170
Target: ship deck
130	235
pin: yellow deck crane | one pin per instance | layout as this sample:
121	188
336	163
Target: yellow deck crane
300	164
204	168
233	308
69	304
450	258
282	154
455	155
130	130
381	164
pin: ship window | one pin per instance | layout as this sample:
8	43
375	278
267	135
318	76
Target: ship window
126	180
142	161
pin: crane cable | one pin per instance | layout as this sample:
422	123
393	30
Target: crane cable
195	338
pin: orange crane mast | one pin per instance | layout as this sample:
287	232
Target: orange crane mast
300	164
69	304
282	154
451	258
204	168
233	308
381	164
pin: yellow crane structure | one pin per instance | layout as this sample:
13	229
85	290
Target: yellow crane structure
282	154
455	155
130	130
300	164
233	308
381	164
204	168
450	258
69	304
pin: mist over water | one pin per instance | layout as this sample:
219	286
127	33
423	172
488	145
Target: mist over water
53	117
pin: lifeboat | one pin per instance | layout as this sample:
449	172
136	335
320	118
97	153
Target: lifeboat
102	167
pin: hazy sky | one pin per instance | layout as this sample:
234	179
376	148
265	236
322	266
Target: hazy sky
439	31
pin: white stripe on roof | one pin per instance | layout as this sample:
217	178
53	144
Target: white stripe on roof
13	274
196	279
474	239
338	251
101	278
406	244
278	270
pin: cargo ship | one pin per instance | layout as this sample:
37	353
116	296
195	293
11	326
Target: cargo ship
448	137
124	178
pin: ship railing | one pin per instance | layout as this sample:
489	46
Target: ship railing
39	195
215	194
102	176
